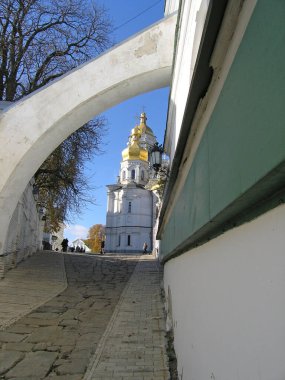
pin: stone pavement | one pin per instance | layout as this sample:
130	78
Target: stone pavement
108	323
30	284
133	346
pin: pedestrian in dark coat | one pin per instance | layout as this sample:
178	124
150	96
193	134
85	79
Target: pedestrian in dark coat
64	245
144	247
102	251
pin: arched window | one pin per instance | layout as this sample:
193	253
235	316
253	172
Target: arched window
130	207
124	175
133	174
129	240
142	175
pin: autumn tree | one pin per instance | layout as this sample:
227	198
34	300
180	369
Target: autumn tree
95	235
39	41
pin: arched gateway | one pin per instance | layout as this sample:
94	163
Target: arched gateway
33	127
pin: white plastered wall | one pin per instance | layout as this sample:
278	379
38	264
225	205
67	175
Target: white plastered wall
25	230
171	6
137	222
228	303
189	37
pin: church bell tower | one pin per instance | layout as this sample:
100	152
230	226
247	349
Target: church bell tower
130	208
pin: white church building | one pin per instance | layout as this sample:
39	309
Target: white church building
131	206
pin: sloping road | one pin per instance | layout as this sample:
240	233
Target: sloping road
111	306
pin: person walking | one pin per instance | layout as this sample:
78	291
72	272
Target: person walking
64	245
144	247
102	251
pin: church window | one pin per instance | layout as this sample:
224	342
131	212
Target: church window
133	174
129	240
130	207
119	242
124	175
142	175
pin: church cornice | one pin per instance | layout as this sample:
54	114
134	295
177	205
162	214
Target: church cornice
114	187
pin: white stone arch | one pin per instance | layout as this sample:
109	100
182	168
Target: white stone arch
33	127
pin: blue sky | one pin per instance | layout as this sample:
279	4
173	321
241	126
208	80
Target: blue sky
104	168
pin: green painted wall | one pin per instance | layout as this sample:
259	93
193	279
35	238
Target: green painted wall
245	137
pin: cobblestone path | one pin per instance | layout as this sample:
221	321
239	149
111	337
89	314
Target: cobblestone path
58	339
134	345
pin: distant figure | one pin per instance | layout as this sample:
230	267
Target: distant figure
77	248
64	245
144	248
102	247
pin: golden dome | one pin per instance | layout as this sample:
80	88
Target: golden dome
134	151
143	127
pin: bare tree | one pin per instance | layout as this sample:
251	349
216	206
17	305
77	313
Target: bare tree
42	39
39	41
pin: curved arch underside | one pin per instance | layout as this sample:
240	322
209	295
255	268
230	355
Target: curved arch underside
32	128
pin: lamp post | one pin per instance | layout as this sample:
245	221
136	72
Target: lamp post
156	161
156	157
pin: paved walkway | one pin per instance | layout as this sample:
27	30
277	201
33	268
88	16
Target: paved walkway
133	346
32	283
107	324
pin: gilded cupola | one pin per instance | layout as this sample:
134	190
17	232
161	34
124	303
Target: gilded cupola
134	151
143	127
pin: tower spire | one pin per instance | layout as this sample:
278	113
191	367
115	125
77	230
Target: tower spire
143	118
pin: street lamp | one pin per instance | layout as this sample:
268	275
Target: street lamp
156	157
156	160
